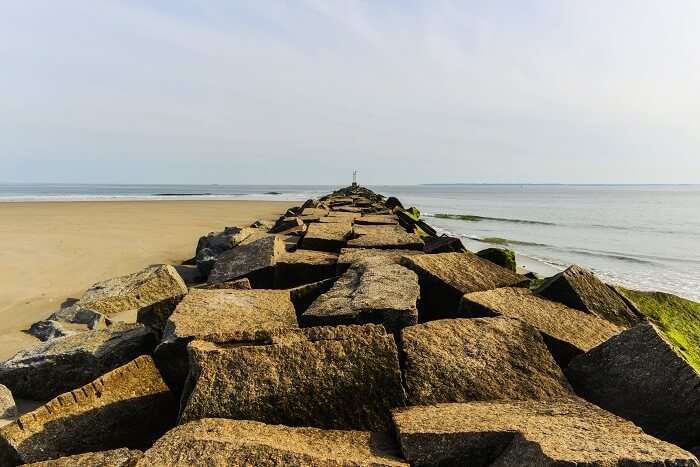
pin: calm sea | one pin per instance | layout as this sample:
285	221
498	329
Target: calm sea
644	236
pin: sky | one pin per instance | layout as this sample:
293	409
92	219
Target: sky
306	91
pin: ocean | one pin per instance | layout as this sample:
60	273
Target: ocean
640	236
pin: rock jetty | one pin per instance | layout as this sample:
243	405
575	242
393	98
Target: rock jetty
349	333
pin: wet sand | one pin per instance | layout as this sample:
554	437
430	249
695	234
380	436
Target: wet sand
54	251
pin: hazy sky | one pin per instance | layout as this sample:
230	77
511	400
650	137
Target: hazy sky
304	91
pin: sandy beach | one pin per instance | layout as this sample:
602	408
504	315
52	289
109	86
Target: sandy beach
53	251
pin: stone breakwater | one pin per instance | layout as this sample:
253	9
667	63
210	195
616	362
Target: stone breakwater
349	334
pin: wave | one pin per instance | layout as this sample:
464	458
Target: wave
505	241
473	218
184	194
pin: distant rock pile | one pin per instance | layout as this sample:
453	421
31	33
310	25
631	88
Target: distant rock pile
350	334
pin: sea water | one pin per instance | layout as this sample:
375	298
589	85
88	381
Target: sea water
641	236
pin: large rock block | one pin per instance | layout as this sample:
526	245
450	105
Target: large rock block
384	237
211	246
115	458
304	267
129	407
580	289
327	236
349	256
500	256
255	260
639	376
8	409
153	293
225	315
459	360
374	290
239	443
387	219
445	277
528	433
59	365
566	331
344	377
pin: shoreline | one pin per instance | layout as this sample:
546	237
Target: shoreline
54	251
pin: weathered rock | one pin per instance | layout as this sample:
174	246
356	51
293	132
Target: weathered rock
580	289
392	202
385	237
443	244
347	216
255	260
639	376
310	215
500	256
460	360
8	409
377	220
303	296
344	377
219	242
67	321
340	201
236	284
286	223
566	331
128	407
327	236
190	273
304	267
375	290
152	292
528	433
122	457
349	256
355	209
239	443
261	224
59	365
445	277
47	329
224	316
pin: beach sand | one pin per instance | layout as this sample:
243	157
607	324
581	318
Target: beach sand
54	251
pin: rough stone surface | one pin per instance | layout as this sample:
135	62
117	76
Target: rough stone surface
115	458
229	316
218	242
639	376
580	289
377	220
385	237
344	377
460	360
128	407
310	215
153	292
566	331
303	296
304	267
374	290
352	255
8	409
190	273
327	236
567	432
255	260
239	443
286	223
500	256
445	277
68	320
59	365
47	329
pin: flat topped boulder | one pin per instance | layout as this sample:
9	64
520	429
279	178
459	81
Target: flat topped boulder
309	215
349	256
254	259
374	290
445	277
374	219
344	377
580	289
638	375
304	267
239	443
528	433
115	458
385	237
59	365
152	293
459	360
327	236
224	315
566	331
129	407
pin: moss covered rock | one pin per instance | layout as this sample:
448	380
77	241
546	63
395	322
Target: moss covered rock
501	256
